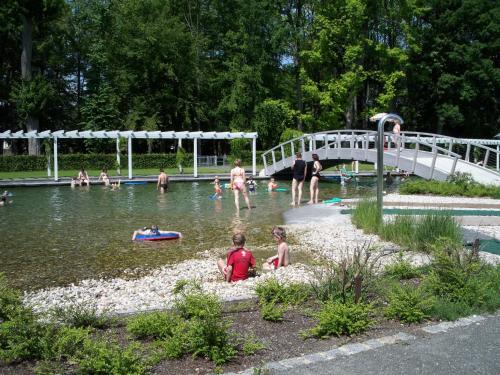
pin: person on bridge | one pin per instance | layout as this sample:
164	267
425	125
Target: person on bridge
314	186
299	170
395	133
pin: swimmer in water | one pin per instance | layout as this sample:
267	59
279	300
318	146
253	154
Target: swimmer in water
271	185
217	187
251	185
238	180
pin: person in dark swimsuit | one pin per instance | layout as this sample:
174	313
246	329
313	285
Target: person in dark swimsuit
314	186
299	169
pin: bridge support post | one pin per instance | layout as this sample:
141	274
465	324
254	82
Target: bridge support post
129	155
498	158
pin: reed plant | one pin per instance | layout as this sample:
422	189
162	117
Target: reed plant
366	217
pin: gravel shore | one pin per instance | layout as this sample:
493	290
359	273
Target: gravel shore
331	236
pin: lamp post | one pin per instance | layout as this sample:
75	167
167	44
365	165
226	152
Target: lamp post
382	118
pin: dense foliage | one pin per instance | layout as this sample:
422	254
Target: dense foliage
258	65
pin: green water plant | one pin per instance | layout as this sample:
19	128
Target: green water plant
409	304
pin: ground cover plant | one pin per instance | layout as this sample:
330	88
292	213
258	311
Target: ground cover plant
459	184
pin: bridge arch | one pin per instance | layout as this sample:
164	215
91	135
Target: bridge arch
431	156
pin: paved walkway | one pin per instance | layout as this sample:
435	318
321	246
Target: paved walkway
468	346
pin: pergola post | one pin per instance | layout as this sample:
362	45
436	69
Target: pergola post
254	156
195	157
498	158
118	170
56	166
129	140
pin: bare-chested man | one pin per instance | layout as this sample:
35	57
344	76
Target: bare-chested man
162	184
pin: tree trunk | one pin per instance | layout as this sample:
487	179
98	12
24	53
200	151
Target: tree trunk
32	122
298	80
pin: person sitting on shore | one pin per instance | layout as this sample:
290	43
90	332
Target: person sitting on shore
154	230
271	185
104	177
239	261
282	259
83	177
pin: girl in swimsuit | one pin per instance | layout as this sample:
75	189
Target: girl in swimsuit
238	180
282	259
314	187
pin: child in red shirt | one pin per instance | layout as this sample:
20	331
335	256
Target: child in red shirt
238	261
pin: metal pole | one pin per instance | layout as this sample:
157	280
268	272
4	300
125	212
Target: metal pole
118	170
380	160
195	157
129	158
254	156
56	165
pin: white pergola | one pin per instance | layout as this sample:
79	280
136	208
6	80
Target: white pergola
129	136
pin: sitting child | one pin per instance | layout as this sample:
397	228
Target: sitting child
282	259
154	230
271	185
238	261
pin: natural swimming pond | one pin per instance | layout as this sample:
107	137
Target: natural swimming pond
58	235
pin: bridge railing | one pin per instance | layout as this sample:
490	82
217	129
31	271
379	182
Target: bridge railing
359	143
469	151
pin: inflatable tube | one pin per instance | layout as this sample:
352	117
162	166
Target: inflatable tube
135	183
333	200
226	186
162	236
280	189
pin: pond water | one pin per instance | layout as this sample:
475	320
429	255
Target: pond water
58	235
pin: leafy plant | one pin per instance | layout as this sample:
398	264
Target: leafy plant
157	325
336	319
103	357
10	300
80	315
401	269
252	346
272	312
409	304
366	216
62	342
273	291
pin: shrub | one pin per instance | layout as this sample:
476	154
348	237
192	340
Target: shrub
338	319
65	342
271	311
20	337
102	357
401	270
444	309
272	291
10	301
454	275
80	315
400	230
409	304
157	325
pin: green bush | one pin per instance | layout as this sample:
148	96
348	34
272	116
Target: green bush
336	319
89	161
65	342
103	357
409	304
272	291
444	309
80	315
21	337
401	270
10	300
157	325
272	312
251	346
455	275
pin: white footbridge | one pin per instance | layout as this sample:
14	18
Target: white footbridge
430	156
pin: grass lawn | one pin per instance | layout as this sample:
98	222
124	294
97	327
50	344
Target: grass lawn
124	172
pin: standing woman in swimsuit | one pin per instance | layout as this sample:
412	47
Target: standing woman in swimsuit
238	181
314	186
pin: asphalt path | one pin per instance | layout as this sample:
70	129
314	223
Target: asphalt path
474	349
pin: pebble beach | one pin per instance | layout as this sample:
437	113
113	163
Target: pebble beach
329	237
